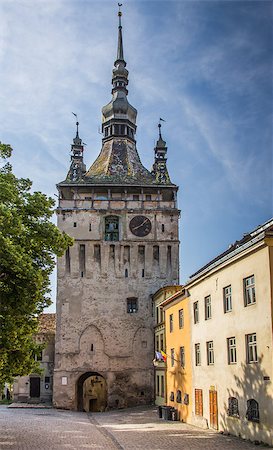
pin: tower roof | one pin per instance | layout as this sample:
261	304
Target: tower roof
118	161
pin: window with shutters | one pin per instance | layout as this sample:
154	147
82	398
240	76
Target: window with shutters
198	402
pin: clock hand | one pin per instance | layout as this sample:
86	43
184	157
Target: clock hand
138	226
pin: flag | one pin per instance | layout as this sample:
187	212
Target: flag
164	356
158	356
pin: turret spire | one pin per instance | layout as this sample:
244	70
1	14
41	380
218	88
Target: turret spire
77	167
160	170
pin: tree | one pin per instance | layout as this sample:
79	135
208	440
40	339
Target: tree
29	242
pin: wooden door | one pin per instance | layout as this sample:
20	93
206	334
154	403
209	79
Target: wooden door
198	402
34	390
213	409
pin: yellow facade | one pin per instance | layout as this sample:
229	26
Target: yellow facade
178	350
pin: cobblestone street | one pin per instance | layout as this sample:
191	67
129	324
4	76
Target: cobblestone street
136	428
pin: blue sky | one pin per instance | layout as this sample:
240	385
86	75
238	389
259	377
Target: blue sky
204	66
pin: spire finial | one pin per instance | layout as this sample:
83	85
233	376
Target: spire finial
120	56
159	131
77	140
159	127
119	13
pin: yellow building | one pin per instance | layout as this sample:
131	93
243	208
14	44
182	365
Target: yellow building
159	332
231	332
178	350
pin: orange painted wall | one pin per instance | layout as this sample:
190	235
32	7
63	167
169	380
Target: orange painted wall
179	378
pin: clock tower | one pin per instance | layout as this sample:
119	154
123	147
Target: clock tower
124	221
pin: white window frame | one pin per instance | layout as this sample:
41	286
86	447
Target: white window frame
227	295
207	303
251	348
249	291
232	352
195	312
197	349
210	353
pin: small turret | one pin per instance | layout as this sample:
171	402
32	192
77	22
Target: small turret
160	171
77	166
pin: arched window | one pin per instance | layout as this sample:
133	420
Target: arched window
111	228
233	407
252	412
178	397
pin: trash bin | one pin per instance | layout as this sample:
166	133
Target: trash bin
174	414
160	412
166	412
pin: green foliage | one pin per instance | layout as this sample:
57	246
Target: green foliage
29	243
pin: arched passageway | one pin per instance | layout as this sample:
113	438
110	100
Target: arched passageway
91	392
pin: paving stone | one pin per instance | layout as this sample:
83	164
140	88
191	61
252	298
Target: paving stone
130	429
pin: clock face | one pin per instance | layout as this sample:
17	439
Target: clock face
140	226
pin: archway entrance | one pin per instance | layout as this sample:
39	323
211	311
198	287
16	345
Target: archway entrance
91	392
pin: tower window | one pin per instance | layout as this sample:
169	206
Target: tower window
156	252
82	259
67	261
74	224
132	305
111	228
97	256
162	227
126	254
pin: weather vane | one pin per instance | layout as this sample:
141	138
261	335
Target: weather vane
159	126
